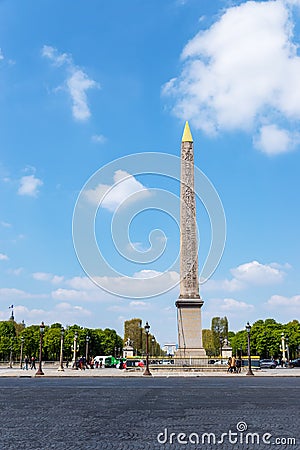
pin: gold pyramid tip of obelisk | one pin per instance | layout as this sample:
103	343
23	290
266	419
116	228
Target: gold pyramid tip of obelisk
187	135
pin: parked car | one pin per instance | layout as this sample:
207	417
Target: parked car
221	362
267	364
295	363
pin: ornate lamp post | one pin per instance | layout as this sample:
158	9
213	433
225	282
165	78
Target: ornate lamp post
61	364
87	339
42	329
153	342
74	366
248	329
147	371
10	354
21	352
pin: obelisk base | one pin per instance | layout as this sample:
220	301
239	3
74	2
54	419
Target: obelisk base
189	328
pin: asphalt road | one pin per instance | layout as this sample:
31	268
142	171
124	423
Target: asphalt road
141	413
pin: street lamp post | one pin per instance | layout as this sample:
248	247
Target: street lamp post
153	342
10	354
61	364
74	366
87	339
42	329
147	371
248	329
21	352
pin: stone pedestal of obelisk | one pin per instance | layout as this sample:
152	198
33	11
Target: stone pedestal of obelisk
189	303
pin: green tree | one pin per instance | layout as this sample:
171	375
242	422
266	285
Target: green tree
134	331
7	336
31	337
51	342
219	328
208	342
291	331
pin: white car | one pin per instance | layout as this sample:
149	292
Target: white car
221	362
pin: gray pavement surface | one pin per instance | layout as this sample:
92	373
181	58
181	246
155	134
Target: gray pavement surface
130	413
51	371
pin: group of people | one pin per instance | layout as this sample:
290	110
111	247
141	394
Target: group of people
234	364
82	363
28	361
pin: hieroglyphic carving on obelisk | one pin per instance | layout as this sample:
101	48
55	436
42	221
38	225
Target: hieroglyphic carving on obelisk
189	303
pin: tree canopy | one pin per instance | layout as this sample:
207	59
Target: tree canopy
101	342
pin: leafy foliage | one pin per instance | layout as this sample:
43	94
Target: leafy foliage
266	339
101	342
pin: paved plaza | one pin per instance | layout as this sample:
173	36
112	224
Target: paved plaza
170	371
142	412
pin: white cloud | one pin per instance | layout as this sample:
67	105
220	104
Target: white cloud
232	285
255	273
230	304
77	81
80	283
17	294
242	73
3	257
148	280
5	224
285	308
138	304
279	301
238	312
249	274
1	55
58	59
98	139
69	295
29	185
57	279
41	276
112	196
78	84
62	312
133	305
45	276
273	140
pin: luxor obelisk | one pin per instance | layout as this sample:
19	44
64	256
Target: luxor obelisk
189	303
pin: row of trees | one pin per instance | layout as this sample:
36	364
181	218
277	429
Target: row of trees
265	338
101	342
134	331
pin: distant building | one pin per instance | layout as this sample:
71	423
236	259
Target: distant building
170	349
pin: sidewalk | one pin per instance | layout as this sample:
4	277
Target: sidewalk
96	373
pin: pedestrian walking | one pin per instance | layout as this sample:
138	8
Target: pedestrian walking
238	365
26	361
32	363
233	365
229	364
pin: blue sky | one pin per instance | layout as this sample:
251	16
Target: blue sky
83	85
